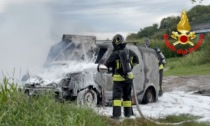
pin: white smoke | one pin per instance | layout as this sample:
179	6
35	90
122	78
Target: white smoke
24	35
28	28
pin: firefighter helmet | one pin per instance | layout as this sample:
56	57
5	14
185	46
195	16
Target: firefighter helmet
147	42
118	42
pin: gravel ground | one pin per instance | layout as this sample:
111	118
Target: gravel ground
199	84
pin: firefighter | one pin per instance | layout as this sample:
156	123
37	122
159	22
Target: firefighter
147	43
161	66
162	63
121	62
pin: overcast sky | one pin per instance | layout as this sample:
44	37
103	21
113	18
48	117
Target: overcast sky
101	18
29	27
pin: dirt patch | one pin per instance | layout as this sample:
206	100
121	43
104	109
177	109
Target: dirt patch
198	84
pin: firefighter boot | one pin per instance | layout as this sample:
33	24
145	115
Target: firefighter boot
127	111
160	91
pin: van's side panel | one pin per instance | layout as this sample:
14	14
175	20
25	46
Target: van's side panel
146	72
138	70
151	68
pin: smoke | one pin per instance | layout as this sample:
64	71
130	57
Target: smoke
29	28
24	35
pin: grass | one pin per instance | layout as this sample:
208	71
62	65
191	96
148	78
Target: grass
181	67
184	117
196	63
44	111
16	109
168	119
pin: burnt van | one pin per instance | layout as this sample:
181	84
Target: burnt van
146	73
90	86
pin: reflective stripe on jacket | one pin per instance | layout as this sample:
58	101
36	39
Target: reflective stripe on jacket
114	62
118	77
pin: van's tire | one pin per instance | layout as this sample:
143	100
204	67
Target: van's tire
149	96
87	97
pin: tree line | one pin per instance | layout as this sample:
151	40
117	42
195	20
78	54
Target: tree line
197	15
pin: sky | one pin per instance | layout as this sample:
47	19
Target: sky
29	27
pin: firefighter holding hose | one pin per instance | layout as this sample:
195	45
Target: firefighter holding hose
121	62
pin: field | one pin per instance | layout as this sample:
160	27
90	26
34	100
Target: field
181	67
17	109
45	111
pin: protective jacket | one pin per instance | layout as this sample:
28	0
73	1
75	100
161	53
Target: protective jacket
161	58
115	63
122	85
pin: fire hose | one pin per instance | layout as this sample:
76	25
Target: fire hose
103	69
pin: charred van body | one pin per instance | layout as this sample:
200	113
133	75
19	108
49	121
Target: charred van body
89	86
146	73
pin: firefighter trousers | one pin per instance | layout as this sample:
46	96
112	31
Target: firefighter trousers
122	90
161	78
160	82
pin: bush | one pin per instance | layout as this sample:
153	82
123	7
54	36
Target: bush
201	56
160	43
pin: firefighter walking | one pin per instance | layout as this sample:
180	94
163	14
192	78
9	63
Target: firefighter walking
121	62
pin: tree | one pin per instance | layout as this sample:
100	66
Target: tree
147	31
169	22
198	15
132	36
196	1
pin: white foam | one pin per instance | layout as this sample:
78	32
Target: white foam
173	103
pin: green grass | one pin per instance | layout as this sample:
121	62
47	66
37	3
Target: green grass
44	111
181	67
183	117
16	109
168	119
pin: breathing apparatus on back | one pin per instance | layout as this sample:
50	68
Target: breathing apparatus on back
161	57
119	46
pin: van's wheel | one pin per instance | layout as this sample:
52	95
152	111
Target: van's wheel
149	96
87	97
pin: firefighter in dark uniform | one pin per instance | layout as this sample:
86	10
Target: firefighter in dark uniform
162	63
161	66
122	78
